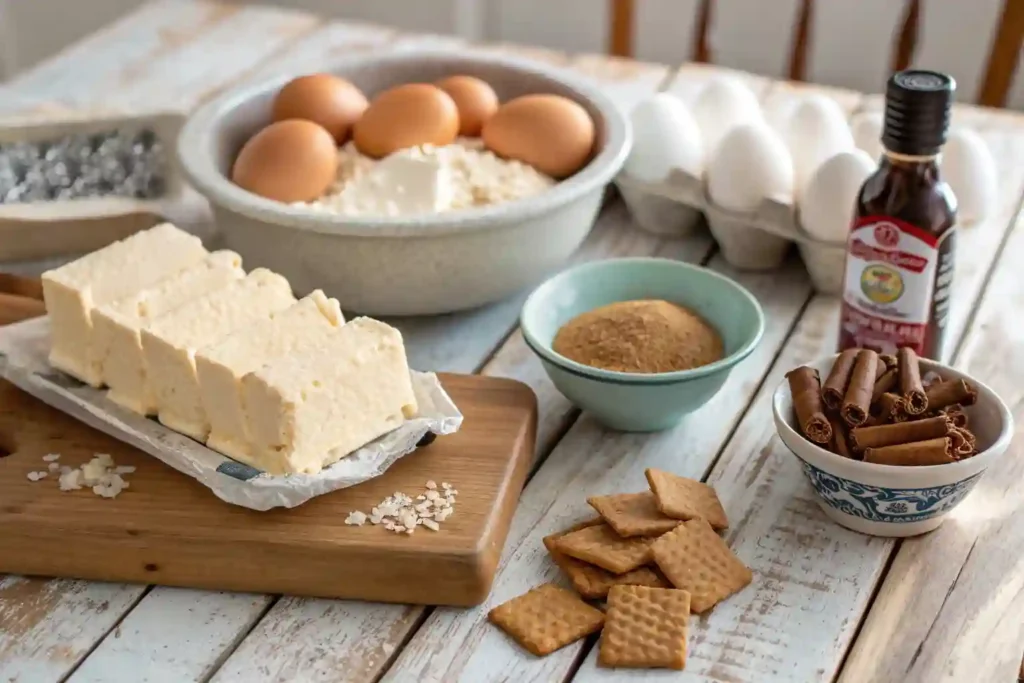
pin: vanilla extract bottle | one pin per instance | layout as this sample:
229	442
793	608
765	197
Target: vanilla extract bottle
900	252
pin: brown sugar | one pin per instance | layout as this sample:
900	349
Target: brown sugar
647	336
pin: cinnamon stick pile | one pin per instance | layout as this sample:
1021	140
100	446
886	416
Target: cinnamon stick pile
877	408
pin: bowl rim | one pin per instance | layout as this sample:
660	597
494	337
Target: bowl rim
631	378
827	458
199	168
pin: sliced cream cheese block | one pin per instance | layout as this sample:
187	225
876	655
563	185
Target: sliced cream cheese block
117	342
308	410
220	367
114	272
170	343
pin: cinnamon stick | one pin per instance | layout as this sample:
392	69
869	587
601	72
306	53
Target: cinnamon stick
956	415
915	400
884	383
961	447
955	391
840	445
834	388
888	360
805	388
930	452
903	432
857	401
888	407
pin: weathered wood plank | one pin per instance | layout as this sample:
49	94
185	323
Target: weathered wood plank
48	627
949	608
812	579
168	616
363	636
460	645
166	56
667	30
762	45
945	43
568	25
852	42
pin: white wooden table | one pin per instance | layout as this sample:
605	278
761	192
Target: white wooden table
826	604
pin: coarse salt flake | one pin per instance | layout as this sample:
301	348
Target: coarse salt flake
356	518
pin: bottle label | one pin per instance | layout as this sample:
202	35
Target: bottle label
896	288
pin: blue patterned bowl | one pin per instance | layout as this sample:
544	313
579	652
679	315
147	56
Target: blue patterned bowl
886	500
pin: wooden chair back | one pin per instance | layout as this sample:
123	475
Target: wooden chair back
847	43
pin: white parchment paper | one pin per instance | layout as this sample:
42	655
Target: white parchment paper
24	348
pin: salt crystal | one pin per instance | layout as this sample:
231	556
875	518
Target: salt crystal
51	457
124	469
53	467
430	524
431	484
356	518
71	480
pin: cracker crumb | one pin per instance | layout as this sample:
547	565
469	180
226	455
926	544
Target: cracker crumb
36	476
53	467
51	457
430	524
431	485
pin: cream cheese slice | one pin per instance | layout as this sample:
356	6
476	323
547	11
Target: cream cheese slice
117	326
308	410
170	343
118	270
221	367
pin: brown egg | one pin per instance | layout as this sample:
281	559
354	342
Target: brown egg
406	116
290	161
475	99
551	133
332	102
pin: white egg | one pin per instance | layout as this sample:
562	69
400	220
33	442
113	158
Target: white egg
724	103
816	130
970	170
665	136
749	165
827	206
867	133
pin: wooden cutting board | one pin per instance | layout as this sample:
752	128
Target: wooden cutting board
169	529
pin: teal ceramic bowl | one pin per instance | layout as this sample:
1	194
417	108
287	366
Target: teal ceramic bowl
641	402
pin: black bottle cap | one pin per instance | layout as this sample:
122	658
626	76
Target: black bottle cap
917	110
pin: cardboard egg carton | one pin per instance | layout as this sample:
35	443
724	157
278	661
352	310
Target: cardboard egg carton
760	240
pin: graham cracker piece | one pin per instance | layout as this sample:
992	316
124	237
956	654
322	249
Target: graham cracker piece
592	582
546	618
697	560
683	498
645	628
600	545
633	514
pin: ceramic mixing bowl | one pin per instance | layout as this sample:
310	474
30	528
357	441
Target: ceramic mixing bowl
416	265
888	500
641	402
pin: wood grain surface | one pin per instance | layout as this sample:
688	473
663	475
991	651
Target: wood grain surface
168	529
825	604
